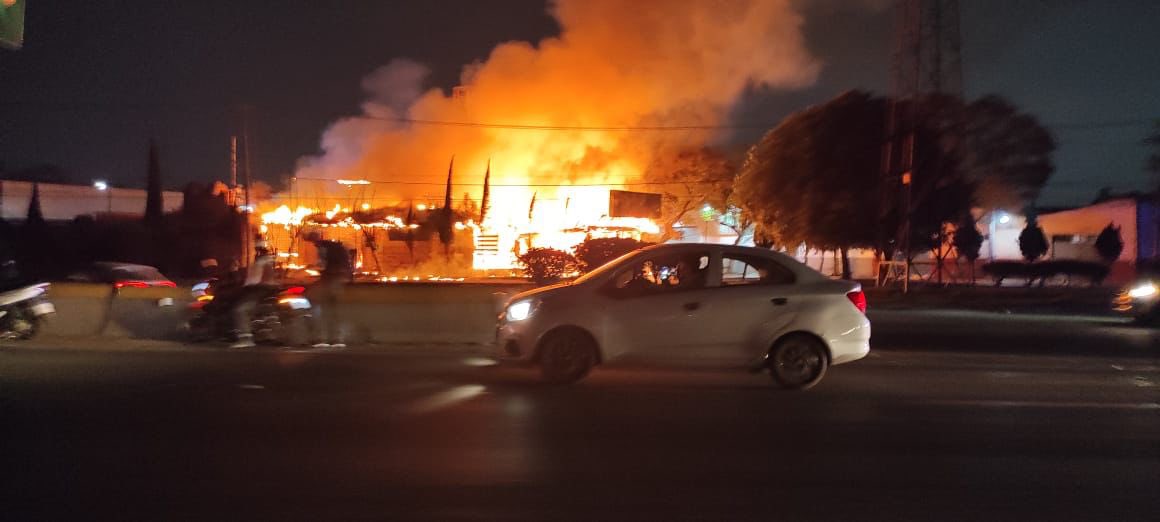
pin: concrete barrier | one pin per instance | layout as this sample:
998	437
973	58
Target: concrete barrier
149	313
374	313
85	309
424	312
81	309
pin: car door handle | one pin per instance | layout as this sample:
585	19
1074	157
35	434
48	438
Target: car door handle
778	301
692	306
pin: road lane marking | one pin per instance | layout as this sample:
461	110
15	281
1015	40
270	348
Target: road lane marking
1046	404
444	399
251	387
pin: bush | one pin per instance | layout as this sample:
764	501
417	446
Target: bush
546	265
967	239
1032	241
1095	273
593	253
1109	244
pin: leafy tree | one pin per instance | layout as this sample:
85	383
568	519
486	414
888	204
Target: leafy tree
545	265
592	253
1006	152
688	179
1032	240
968	241
1110	243
816	178
35	217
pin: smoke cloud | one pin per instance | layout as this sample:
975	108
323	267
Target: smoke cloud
615	64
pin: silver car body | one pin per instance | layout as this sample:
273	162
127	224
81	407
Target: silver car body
719	324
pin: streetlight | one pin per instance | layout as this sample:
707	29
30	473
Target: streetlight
103	186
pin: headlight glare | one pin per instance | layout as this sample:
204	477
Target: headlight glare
519	310
1143	291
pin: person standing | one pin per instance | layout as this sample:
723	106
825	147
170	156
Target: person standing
260	281
335	272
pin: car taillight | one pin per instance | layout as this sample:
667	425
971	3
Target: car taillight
133	284
170	284
859	299
295	290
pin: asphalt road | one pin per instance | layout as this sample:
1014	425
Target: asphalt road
911	433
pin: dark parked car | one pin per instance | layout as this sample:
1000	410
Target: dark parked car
122	275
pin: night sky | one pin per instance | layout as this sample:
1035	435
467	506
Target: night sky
96	80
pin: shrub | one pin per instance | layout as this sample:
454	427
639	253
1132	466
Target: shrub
593	253
1032	241
1095	273
1109	243
968	240
545	265
1000	270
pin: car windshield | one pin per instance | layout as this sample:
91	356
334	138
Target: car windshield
607	267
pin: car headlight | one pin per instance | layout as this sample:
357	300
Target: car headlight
519	310
1143	291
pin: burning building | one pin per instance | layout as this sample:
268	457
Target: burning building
555	126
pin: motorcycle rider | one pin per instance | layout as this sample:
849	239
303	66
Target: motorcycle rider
259	282
336	271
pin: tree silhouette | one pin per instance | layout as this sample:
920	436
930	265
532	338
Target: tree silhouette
445	214
1032	240
968	241
816	178
1109	244
34	217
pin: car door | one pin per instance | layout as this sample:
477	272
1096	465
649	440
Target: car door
756	298
654	308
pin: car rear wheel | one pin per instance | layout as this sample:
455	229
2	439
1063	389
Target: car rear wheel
798	362
566	357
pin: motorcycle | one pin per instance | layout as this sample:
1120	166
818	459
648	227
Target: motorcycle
280	317
22	310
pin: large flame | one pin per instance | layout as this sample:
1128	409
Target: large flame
617	65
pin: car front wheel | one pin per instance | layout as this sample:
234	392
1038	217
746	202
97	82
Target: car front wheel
798	362
566	357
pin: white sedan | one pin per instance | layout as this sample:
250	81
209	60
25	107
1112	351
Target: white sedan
710	305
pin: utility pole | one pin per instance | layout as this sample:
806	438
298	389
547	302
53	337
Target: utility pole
246	209
233	171
926	60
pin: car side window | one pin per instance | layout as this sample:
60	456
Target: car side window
739	270
662	274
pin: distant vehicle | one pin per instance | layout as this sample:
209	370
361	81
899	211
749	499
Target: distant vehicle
122	275
713	305
1139	300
